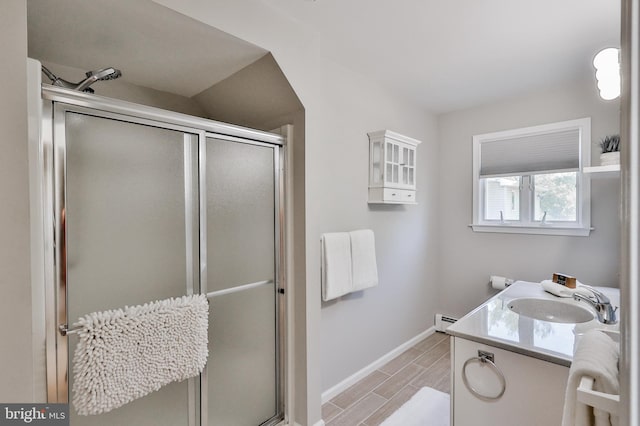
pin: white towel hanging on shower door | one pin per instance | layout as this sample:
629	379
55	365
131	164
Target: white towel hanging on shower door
125	354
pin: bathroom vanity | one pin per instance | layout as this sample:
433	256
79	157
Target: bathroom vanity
512	368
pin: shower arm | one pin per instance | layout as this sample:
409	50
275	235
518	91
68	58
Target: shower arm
84	84
49	74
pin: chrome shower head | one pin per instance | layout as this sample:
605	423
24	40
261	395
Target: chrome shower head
105	74
102	74
83	86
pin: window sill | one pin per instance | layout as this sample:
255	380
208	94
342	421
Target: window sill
535	230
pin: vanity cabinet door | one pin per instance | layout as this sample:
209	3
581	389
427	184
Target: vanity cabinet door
533	396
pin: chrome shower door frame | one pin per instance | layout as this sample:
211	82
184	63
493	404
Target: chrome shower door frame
279	267
56	103
58	296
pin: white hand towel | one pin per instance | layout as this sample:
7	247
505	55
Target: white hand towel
363	259
596	356
125	354
561	290
336	265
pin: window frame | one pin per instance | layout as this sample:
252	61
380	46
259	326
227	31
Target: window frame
527	223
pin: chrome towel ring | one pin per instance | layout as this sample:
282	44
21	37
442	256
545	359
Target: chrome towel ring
484	358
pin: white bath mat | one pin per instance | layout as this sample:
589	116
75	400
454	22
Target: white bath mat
428	407
125	354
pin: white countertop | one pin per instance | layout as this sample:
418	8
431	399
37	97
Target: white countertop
493	323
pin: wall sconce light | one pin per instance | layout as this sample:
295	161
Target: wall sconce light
607	67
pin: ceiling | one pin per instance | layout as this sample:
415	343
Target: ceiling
444	55
453	54
161	53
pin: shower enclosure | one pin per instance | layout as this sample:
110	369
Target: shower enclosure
142	204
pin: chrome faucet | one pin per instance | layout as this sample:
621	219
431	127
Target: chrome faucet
604	310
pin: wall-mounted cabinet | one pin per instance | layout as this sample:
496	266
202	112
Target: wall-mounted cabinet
392	168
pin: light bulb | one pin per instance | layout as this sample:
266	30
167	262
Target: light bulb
605	57
609	73
609	95
607	67
608	85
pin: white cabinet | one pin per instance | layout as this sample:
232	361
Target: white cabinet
392	168
533	392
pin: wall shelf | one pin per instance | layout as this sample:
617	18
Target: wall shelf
603	171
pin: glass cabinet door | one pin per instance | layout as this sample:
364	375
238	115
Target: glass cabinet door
399	165
392	161
408	166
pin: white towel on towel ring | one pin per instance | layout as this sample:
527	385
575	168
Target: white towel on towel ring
596	356
125	354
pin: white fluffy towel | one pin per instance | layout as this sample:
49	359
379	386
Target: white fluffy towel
596	356
563	291
125	354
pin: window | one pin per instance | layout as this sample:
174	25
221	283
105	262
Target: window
555	197
530	181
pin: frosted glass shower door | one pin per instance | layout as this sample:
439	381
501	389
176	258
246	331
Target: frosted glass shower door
241	202
144	206
131	218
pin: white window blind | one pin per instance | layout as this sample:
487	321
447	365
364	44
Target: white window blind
529	180
548	152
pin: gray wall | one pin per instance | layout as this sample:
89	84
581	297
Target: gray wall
340	108
360	328
257	96
15	304
467	259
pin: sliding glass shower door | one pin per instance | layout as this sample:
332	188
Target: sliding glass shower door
146	210
130	211
241	258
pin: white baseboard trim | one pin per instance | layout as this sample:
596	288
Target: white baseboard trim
354	378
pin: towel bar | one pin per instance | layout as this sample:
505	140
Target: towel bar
238	288
600	400
65	331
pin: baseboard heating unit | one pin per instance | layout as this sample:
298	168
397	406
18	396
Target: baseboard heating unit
442	322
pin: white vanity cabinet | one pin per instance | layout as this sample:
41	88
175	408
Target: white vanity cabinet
533	392
392	168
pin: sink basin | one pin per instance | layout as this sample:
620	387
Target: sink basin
550	310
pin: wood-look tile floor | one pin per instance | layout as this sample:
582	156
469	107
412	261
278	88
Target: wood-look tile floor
374	398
